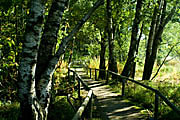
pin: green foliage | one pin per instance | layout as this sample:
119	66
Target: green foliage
60	109
12	30
9	111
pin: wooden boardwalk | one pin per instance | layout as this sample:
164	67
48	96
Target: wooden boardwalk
110	105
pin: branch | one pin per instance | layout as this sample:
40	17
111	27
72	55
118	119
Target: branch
169	17
164	60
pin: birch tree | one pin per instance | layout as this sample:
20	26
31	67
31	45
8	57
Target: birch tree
35	83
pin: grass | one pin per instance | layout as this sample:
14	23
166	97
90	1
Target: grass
9	111
61	109
167	82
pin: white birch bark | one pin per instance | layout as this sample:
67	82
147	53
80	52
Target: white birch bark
27	93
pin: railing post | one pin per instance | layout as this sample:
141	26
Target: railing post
69	74
107	77
74	76
95	74
90	73
87	70
79	89
123	87
156	106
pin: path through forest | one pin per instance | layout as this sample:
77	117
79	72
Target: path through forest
110	105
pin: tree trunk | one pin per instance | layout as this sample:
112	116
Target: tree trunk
27	94
49	38
45	81
150	43
157	39
33	107
134	41
112	60
102	56
46	51
133	71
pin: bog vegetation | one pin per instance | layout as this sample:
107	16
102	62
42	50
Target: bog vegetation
38	39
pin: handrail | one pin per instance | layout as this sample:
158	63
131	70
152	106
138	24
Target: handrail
80	111
87	104
124	78
157	93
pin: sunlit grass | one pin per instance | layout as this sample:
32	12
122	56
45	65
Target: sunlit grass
167	82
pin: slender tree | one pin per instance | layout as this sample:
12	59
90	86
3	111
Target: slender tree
160	21
134	41
112	64
102	55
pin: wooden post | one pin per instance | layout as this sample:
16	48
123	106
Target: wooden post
79	89
95	74
87	70
107	77
69	74
90	73
74	76
156	107
91	106
123	87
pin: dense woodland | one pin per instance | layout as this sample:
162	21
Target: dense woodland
39	38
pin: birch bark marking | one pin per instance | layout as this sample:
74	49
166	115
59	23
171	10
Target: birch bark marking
49	39
27	67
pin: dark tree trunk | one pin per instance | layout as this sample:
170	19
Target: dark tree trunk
150	43
133	71
102	56
134	41
160	24
112	64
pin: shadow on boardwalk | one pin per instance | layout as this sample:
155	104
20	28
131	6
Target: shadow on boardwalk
111	105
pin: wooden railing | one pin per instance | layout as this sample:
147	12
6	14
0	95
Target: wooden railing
124	79
85	110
